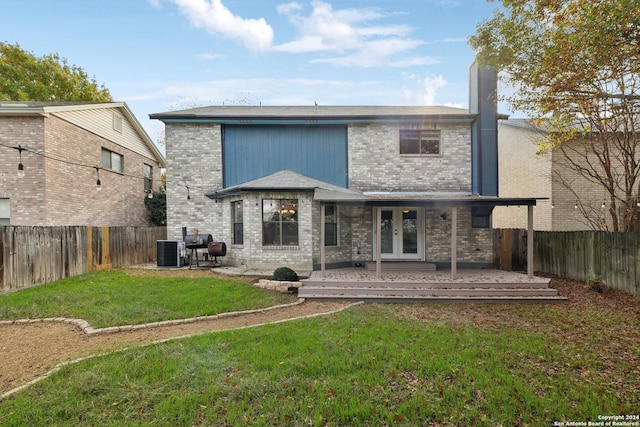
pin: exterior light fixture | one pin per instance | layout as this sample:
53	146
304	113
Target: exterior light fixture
98	183
603	204
149	194
576	205
188	195
20	165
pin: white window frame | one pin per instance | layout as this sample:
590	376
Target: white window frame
111	157
421	138
5	211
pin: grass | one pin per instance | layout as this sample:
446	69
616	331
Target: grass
114	298
372	365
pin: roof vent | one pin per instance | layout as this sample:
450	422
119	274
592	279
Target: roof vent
117	122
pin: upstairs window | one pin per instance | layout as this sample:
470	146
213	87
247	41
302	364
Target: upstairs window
280	222
420	142
148	178
112	160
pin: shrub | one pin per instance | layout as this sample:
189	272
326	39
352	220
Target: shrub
595	283
285	274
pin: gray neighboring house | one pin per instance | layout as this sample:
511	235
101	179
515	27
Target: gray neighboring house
310	187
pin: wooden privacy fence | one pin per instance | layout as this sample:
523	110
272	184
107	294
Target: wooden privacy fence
613	258
37	255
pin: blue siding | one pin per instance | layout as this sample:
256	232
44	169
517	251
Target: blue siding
251	152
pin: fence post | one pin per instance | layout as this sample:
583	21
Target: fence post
105	259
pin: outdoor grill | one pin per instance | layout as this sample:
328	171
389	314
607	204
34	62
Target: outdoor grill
204	240
197	240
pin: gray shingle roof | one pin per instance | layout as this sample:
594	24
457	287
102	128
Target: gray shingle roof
284	180
320	112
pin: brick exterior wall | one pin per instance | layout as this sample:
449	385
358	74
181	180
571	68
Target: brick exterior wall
194	158
56	193
475	245
376	165
522	173
569	187
27	194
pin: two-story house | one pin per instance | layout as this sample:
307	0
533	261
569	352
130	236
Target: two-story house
75	164
320	186
572	201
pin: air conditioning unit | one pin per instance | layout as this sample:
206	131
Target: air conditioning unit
171	253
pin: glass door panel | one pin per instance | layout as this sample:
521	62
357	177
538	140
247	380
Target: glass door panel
387	232
409	231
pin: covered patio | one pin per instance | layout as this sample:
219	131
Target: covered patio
454	201
420	280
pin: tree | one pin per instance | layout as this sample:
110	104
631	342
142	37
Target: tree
575	69
157	208
24	77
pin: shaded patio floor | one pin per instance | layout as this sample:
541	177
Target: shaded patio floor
463	276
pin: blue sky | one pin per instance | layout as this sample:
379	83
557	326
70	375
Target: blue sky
161	55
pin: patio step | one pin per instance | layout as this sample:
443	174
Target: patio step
357	285
420	292
399	284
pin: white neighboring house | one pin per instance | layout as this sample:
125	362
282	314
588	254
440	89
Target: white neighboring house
572	202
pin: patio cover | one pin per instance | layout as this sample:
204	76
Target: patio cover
326	193
451	200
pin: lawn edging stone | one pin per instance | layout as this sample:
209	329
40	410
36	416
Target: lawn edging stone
277	285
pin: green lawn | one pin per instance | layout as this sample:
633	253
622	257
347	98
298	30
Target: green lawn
114	298
372	365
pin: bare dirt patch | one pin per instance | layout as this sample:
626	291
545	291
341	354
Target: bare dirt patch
30	350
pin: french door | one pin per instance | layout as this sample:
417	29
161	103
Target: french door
401	234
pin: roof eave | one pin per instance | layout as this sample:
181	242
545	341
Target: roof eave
221	194
310	119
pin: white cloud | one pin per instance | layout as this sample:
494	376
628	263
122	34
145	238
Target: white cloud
428	89
154	3
449	3
454	40
287	8
210	56
350	33
383	52
218	20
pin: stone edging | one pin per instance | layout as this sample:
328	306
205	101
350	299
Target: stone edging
90	331
231	314
277	285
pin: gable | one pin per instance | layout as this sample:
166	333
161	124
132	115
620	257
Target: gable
254	151
111	124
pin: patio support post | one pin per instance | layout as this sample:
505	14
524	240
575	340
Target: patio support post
454	242
378	241
322	239
530	241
